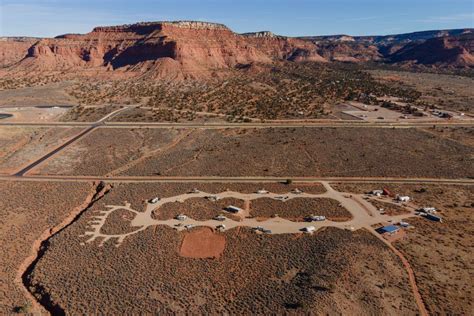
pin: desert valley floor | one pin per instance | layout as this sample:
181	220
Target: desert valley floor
334	180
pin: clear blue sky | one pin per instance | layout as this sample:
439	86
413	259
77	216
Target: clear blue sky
45	18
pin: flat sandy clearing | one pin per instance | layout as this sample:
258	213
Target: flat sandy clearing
202	243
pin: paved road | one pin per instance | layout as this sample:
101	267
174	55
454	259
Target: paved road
327	124
181	179
51	153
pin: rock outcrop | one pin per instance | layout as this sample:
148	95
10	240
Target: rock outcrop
184	49
14	49
450	51
193	49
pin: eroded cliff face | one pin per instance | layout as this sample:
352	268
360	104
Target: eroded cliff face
163	49
196	50
12	50
453	51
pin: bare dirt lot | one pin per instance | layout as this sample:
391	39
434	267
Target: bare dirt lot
202	243
299	208
265	152
329	272
33	114
27	209
389	208
439	253
22	145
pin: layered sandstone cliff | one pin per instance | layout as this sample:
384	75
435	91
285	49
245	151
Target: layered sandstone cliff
182	49
453	51
14	49
193	49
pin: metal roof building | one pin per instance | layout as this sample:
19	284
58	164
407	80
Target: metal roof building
390	229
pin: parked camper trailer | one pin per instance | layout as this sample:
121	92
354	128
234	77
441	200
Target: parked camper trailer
233	209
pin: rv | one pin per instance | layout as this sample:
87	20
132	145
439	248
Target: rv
309	229
154	200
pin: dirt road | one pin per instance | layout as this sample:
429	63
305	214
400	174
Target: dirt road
364	214
75	138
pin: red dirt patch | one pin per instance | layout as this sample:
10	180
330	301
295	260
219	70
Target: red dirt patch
202	243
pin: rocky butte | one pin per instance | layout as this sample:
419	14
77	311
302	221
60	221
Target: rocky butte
196	50
174	50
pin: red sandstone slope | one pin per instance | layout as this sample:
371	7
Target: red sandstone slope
12	50
349	52
180	50
163	50
452	51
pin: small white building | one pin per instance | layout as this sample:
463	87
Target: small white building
377	192
181	217
403	198
309	229
233	209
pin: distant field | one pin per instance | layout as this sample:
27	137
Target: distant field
447	91
357	152
42	94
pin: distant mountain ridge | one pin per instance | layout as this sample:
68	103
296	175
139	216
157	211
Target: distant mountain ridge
390	39
196	50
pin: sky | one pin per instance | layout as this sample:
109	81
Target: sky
48	18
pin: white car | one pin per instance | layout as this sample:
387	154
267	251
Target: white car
220	218
181	217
